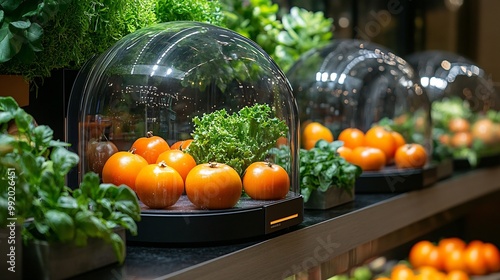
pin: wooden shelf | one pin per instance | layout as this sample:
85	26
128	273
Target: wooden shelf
345	241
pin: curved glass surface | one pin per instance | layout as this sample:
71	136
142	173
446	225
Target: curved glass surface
353	83
162	77
445	74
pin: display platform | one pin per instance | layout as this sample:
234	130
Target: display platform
184	223
394	180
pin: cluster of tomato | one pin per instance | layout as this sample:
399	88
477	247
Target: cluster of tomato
450	259
462	134
160	174
372	150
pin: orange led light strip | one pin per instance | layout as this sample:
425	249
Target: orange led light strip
284	219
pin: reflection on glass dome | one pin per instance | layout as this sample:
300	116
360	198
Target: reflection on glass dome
445	74
352	83
162	77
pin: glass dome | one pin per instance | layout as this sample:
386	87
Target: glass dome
185	81
465	106
445	74
357	84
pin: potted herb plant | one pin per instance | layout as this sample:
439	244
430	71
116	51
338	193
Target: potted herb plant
58	225
326	179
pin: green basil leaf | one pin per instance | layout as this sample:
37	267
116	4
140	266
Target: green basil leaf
90	185
118	246
61	223
67	202
63	160
42	135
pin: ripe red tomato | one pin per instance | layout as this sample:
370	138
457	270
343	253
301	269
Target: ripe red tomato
122	168
150	147
177	159
213	186
266	181
159	186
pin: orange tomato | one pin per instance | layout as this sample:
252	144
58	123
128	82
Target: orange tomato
410	156
398	138
457	275
492	257
352	137
425	253
381	138
458	125
368	158
150	147
180	161
345	152
401	272
429	272
266	181
159	185
213	186
181	144
461	139
281	141
474	258
485	130
454	260
445	139
447	245
313	132
122	168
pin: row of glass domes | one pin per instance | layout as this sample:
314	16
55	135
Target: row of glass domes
160	78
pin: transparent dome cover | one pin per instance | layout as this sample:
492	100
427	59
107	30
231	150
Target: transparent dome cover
447	75
357	84
163	77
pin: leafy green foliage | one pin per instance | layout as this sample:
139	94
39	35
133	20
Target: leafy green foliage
322	168
33	170
190	10
447	109
284	40
22	24
303	31
254	19
94	26
238	139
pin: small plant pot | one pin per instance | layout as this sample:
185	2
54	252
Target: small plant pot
43	260
331	198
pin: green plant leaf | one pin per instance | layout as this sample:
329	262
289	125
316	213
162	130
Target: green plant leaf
118	246
10	5
63	160
21	24
61	223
